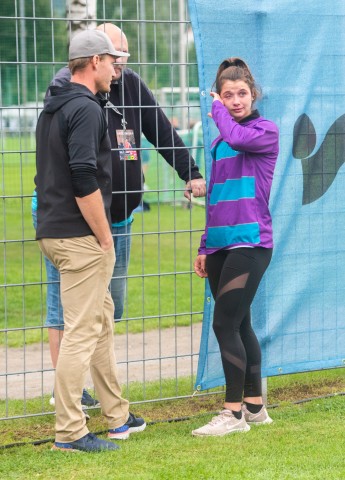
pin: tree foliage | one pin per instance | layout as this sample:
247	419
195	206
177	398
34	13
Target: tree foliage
34	47
152	29
30	47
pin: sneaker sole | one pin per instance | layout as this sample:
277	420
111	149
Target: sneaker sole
125	435
265	422
137	429
69	450
240	430
75	450
119	436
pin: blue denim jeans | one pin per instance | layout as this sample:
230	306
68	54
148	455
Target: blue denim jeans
122	244
54	318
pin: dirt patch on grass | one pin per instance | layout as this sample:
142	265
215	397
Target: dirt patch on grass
35	429
301	391
203	404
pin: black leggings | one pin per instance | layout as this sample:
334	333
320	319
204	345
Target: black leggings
234	277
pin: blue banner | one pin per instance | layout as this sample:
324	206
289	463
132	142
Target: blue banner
296	51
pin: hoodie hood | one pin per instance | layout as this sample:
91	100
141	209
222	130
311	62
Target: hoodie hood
59	96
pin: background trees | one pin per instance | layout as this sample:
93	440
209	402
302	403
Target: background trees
34	36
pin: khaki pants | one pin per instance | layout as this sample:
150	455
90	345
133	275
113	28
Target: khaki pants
88	342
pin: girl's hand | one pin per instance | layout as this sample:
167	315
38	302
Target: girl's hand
215	97
200	266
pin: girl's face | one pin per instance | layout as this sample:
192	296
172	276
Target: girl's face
237	98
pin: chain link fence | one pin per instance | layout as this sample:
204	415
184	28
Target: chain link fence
157	340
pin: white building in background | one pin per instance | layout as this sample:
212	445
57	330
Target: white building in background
17	119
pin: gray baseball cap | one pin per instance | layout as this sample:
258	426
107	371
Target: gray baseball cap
92	42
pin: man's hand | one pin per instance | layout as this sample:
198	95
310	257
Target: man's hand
92	209
197	187
107	243
200	266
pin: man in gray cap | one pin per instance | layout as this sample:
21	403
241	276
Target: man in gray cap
74	191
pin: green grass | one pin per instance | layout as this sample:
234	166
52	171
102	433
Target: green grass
162	244
304	442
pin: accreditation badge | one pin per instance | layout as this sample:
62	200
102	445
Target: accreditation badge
126	144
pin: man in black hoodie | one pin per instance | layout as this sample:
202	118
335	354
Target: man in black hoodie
74	193
132	110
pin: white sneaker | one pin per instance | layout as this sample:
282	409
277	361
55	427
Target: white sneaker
222	424
260	418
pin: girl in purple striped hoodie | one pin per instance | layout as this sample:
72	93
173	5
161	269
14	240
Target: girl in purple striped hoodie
236	248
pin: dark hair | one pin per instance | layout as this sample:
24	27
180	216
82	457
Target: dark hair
236	69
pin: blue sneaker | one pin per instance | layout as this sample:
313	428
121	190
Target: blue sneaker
88	401
134	424
88	443
120	433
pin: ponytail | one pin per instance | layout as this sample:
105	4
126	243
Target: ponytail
233	69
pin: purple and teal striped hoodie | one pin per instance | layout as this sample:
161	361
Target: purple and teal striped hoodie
243	160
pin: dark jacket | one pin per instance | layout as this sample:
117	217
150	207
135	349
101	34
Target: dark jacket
71	132
137	105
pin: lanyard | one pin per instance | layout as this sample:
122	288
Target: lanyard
115	109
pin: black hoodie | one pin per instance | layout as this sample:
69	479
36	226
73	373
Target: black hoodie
134	101
71	132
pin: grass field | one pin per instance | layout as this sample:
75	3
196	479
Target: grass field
305	442
161	284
